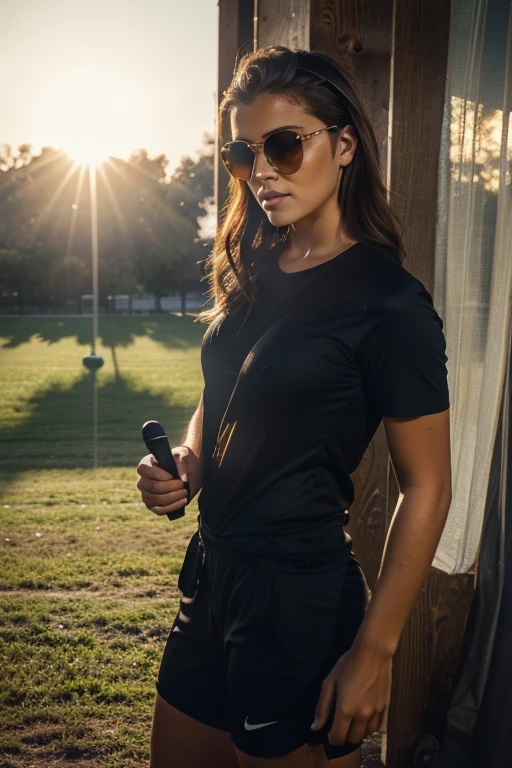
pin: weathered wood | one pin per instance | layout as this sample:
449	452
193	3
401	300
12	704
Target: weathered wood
280	22
426	664
236	37
420	62
427	659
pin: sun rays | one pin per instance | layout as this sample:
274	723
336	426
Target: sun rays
90	114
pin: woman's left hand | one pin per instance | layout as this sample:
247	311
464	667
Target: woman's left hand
361	682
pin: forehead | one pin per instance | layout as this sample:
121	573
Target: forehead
266	113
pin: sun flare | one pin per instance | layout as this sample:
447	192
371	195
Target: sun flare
91	115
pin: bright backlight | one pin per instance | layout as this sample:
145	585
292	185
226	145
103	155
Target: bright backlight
90	115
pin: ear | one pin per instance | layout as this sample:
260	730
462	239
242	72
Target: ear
347	145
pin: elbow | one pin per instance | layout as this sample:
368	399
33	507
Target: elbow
438	493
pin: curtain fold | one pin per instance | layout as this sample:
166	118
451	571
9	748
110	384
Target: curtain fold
473	290
473	272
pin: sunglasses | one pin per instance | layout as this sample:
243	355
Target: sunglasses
282	149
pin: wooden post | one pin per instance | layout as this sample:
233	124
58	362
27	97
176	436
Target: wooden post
397	50
428	656
281	22
235	38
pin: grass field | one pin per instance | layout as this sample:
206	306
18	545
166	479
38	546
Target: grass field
87	574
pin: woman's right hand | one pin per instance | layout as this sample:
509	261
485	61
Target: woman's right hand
160	491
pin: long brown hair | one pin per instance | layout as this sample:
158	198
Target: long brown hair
244	232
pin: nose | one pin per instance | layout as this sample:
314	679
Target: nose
261	168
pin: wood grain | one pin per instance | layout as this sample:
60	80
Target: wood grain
281	22
428	657
236	37
358	35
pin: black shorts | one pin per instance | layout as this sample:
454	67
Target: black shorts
249	652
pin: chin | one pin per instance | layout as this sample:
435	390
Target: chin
282	218
279	221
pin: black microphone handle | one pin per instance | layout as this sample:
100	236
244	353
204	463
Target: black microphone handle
161	450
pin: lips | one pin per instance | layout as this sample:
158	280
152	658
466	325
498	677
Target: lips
274	200
272	195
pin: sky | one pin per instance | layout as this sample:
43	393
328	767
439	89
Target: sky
101	77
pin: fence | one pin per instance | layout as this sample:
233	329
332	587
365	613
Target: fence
116	305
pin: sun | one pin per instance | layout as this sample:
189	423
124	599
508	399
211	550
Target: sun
90	115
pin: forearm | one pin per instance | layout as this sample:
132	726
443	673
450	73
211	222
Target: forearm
194	434
193	439
408	553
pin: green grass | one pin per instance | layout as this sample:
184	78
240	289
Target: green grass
152	371
87	574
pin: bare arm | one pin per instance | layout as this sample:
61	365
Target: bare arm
194	441
194	434
361	678
420	452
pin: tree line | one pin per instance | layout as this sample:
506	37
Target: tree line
149	225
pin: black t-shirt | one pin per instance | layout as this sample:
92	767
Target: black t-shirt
360	342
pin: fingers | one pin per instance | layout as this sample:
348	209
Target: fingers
354	728
158	486
164	510
373	724
342	724
180	456
160	492
323	705
152	500
148	468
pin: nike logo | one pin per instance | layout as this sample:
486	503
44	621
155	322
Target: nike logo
257	725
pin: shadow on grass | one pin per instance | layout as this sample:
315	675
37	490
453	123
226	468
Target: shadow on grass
171	331
58	433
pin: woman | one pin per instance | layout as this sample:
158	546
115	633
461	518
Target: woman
317	334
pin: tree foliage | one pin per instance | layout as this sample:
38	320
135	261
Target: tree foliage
148	224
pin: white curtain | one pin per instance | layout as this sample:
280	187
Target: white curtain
473	279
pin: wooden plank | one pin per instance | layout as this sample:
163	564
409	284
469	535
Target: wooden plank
420	62
426	665
235	38
428	656
246	26
281	22
226	57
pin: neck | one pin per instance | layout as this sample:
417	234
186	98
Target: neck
316	237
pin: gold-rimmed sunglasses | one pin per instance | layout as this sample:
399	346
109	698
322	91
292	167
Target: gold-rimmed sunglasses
283	150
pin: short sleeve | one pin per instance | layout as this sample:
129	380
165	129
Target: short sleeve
401	350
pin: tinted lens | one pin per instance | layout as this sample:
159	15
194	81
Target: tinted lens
238	159
284	150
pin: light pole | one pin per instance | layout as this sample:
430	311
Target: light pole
93	361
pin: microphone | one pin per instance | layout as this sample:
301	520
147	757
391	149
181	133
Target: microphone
157	443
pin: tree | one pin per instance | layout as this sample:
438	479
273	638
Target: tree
174	261
148	224
23	273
